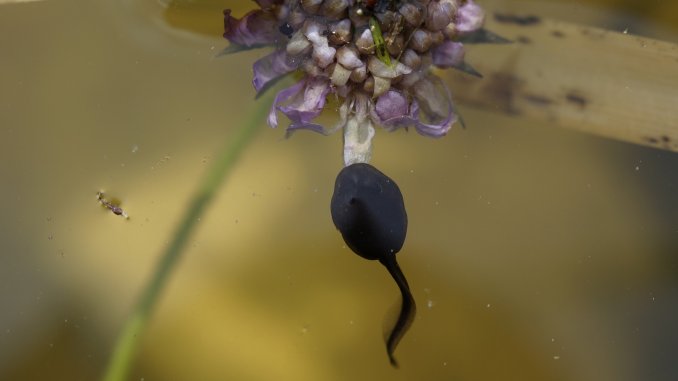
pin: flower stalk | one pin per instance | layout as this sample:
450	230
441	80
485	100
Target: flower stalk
358	134
128	340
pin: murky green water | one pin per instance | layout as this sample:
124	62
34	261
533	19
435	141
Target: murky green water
534	253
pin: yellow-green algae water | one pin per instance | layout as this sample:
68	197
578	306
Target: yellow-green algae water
534	253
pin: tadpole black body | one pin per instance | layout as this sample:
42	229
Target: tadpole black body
368	209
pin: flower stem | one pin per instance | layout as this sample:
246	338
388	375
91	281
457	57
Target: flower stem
127	343
358	134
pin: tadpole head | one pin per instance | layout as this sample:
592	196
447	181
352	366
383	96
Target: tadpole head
368	209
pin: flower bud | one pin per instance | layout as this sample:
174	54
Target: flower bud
410	79
388	19
323	54
437	38
359	74
450	31
411	59
311	6
339	74
298	44
364	42
368	85
439	15
349	57
311	68
381	85
455	4
296	18
421	40
340	32
413	14
334	9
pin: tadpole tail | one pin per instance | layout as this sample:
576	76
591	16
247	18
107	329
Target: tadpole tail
407	310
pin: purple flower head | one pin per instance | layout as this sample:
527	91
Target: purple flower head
374	56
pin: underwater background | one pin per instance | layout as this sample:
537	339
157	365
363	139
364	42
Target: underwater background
534	252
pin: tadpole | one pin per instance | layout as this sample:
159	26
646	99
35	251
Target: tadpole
368	209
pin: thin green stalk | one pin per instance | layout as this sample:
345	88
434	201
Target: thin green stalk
121	359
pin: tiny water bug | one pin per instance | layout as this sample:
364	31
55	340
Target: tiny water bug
379	43
112	205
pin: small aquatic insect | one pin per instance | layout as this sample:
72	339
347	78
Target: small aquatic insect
112	205
379	43
368	209
371	7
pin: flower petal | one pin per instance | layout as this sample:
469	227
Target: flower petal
379	68
271	67
282	96
256	28
294	127
433	129
323	53
307	105
392	110
470	17
448	54
451	54
436	105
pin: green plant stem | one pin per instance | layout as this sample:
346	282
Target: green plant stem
126	346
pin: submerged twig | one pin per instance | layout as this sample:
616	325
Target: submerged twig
602	82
